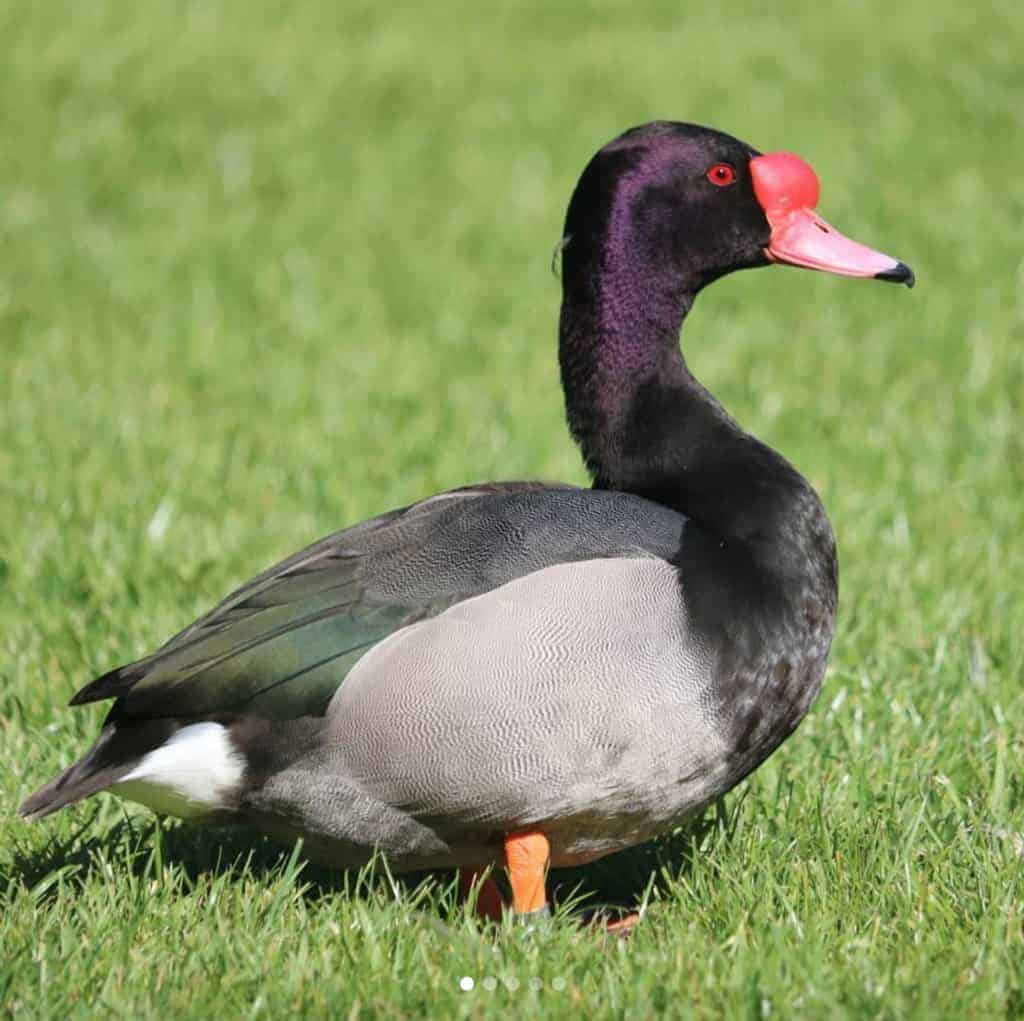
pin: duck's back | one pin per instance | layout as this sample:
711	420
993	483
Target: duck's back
280	645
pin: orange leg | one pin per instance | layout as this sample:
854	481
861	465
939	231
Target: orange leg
527	855
489	902
624	926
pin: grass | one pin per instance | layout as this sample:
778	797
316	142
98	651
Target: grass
265	271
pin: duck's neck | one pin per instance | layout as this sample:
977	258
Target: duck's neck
647	426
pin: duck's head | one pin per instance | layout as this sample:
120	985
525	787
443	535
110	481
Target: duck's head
682	205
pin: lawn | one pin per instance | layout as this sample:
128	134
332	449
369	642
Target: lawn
266	270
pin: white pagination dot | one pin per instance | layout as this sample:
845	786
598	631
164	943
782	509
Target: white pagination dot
466	983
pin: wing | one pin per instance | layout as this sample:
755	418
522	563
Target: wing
280	645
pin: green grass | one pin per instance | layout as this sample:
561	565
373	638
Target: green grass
268	269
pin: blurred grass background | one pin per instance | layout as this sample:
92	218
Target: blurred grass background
266	270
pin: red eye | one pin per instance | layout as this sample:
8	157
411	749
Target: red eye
721	174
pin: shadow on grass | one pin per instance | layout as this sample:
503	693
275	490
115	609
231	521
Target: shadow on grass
142	847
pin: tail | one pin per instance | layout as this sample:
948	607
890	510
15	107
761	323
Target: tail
187	768
116	753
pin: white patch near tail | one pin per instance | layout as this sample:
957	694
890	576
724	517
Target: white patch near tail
191	774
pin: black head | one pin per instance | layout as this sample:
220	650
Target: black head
675	206
675	199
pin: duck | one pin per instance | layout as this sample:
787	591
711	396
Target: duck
526	675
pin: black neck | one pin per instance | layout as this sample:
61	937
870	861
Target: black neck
646	425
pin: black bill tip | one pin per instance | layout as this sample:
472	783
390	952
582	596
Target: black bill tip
901	273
